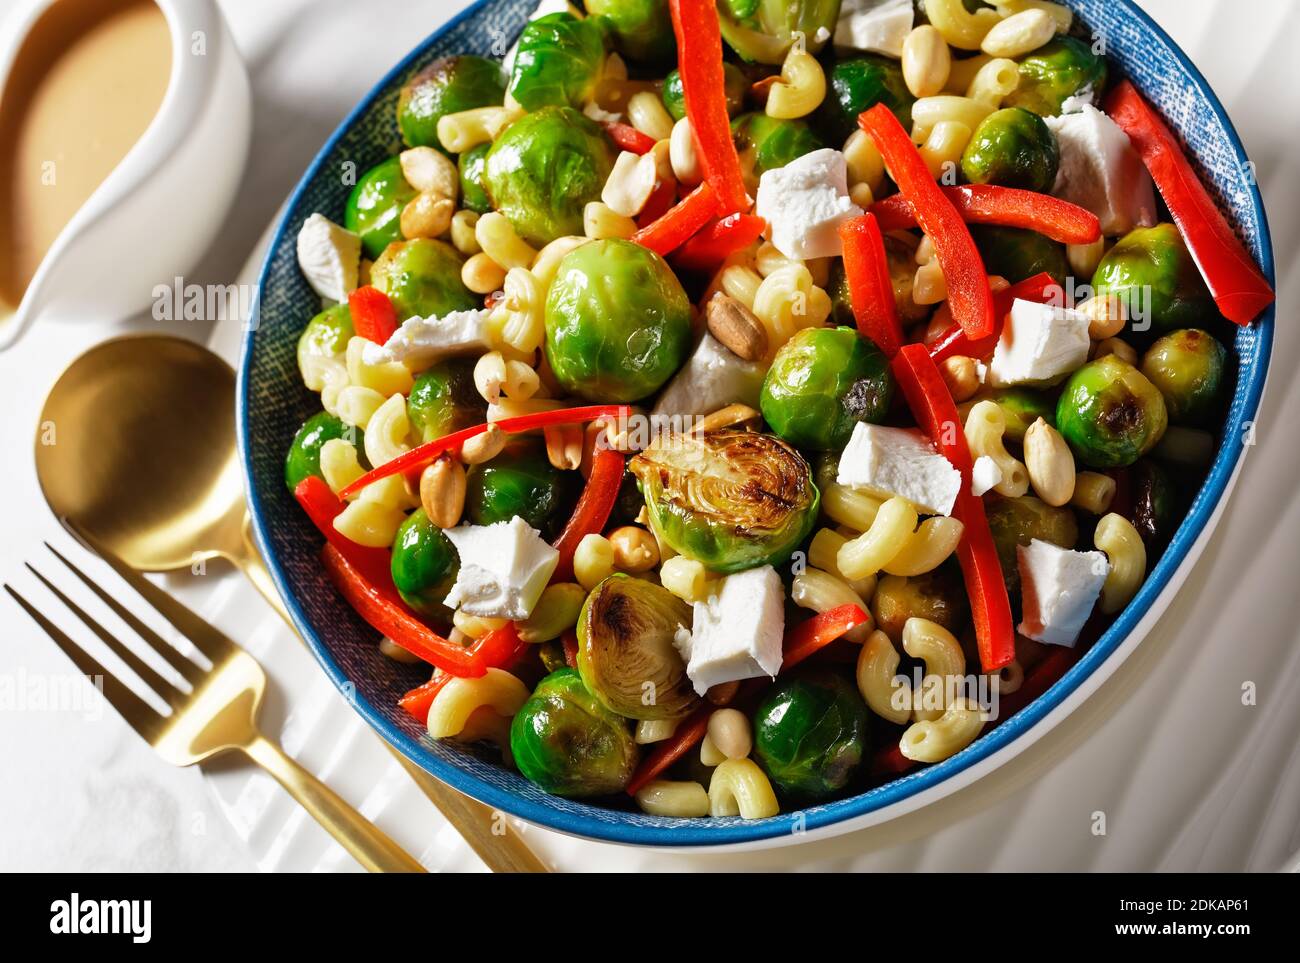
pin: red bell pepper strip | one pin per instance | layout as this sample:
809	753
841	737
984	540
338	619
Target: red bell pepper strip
890	761
812	635
660	202
712	245
1041	289
1060	220
420	457
1239	287
628	138
969	297
499	649
935	412
871	291
373	314
593	508
419	700
680	223
687	735
322	507
699	59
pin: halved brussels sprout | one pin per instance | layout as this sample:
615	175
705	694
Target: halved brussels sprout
444	399
730	499
625	649
520	481
734	82
422	279
1018	521
473	179
1012	147
1063	68
1152	273
765	143
326	335
1017	254
1110	413
641	29
558	61
374	208
1188	367
1021	407
447	86
938	595
618	324
424	566
856	84
567	742
544	169
810	733
821	383
303	459
763	30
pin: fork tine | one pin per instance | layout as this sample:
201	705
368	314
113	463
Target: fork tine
137	665
138	713
175	659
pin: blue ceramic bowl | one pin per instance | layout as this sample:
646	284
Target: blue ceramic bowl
272	403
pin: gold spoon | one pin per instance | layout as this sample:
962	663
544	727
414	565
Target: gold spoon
137	446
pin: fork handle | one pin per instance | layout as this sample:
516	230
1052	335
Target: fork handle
371	847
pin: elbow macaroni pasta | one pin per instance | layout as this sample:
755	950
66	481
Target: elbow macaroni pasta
929	112
937	739
740	788
942	153
497	239
930	544
388	378
663	797
338	464
387	431
788	301
801	88
959	26
547	261
1123	546
357	405
850	507
518	321
876	673
994	81
985	426
468	128
863	160
878	545
944	662
369	523
823	553
821	591
686	578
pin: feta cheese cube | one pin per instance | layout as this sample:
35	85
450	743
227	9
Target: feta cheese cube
329	257
1059	587
880	26
1040	344
804	203
712	378
899	461
503	569
1100	171
737	631
419	342
985	474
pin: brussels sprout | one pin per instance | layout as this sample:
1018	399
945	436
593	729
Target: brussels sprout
1155	511
938	595
1012	147
424	565
326	335
303	459
552	655
821	383
1016	253
1020	406
766	143
902	267
628	504
520	481
1018	521
544	169
1064	68
565	741
374	208
1152	273
618	324
763	30
730	499
422	279
1110	413
625	640
1188	367
853	86
641	29
447	86
558	61
810	733
473	181
734	82
444	399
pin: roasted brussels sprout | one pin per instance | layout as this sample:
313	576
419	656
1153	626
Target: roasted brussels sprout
1018	521
447	86
902	267
424	565
730	499
444	399
303	459
641	29
1156	510
544	169
567	742
374	208
765	143
1110	413
326	335
938	595
625	649
733	80
558	61
1064	68
1188	367
473	182
1016	253
1012	147
520	481
1151	272
618	324
810	733
422	279
854	85
1020	406
763	30
821	383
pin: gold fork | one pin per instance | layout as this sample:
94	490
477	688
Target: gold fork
219	712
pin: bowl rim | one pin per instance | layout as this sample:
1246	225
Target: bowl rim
902	795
